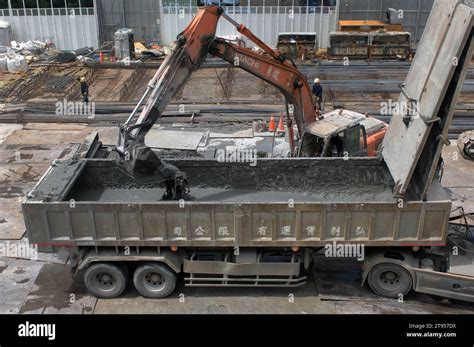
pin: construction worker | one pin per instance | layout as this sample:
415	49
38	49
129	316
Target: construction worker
84	89
318	93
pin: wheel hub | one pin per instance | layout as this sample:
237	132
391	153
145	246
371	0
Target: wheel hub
389	280
105	281
154	279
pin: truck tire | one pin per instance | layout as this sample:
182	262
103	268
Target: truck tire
154	280
390	280
106	280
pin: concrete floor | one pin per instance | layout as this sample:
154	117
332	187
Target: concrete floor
46	286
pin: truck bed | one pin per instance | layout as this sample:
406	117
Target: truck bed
137	195
277	203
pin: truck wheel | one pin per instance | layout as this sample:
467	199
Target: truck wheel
154	280
106	280
390	280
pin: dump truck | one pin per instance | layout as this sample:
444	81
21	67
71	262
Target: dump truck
127	215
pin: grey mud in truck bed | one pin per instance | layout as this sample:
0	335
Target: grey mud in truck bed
300	180
278	203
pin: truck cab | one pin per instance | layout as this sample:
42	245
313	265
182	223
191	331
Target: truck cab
343	133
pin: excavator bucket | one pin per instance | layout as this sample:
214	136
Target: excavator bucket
418	129
145	167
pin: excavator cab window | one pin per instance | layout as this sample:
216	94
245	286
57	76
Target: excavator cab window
355	142
335	146
311	146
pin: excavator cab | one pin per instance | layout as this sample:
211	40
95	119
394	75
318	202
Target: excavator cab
351	142
341	133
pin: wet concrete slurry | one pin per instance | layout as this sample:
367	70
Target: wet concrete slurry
220	195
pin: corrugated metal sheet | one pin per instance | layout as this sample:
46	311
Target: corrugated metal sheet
67	29
143	16
265	21
265	18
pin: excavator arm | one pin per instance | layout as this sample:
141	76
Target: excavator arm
187	54
285	77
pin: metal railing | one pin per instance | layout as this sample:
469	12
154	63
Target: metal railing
76	11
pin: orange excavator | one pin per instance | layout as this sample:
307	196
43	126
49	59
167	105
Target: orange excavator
336	134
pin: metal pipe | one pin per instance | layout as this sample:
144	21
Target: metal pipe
140	102
151	85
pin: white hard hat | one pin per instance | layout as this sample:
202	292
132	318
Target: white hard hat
83	79
316	80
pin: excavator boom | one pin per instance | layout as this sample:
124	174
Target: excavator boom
188	53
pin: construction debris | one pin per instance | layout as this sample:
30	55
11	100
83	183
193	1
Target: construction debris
28	48
15	62
373	45
298	45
